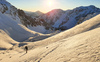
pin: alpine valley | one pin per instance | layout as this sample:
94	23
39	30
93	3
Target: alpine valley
55	36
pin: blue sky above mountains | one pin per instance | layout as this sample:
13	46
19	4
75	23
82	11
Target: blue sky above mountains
48	5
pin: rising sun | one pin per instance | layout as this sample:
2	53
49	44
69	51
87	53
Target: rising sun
50	3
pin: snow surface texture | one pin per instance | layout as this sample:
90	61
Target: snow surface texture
83	47
5	41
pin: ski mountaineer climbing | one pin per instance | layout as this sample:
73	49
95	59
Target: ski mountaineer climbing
26	48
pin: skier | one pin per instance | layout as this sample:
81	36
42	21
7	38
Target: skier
26	48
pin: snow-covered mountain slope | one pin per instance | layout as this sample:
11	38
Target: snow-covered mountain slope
52	16
45	20
76	16
9	10
34	14
20	17
61	20
16	31
78	44
5	41
56	19
12	21
32	23
83	47
84	27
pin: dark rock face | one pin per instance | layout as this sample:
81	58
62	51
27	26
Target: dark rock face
27	20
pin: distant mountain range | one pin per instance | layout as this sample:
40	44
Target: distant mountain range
62	20
56	19
33	14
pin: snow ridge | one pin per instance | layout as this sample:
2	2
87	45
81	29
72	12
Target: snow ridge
73	17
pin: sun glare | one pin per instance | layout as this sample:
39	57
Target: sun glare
50	3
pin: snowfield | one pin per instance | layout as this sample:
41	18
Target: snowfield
79	44
85	26
5	41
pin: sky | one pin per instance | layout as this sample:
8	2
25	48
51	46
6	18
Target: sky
48	5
